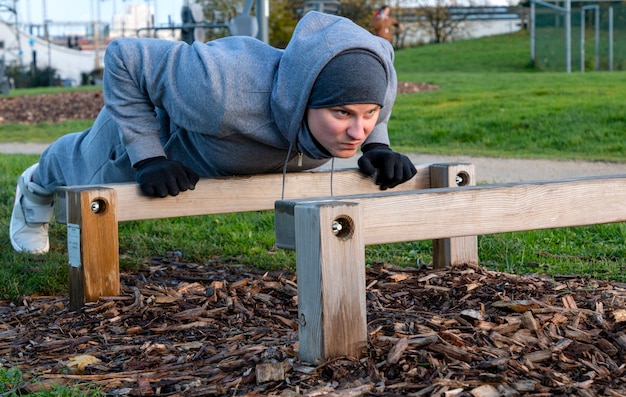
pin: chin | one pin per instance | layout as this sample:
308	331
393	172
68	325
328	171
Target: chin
344	154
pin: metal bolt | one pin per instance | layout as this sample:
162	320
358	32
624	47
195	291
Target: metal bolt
343	227
337	227
98	206
462	179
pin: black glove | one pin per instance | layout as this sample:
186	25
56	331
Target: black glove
391	168
159	177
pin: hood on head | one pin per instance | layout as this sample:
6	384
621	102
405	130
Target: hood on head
317	39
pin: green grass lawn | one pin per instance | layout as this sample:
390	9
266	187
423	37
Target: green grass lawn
490	103
564	116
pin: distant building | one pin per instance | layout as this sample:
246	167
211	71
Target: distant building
73	48
138	20
20	48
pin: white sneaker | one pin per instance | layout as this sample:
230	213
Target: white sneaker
31	215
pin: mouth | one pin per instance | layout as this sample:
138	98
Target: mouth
347	150
350	145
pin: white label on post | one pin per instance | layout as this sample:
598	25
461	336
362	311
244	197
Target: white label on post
73	244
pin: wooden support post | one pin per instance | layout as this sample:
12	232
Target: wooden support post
330	257
92	238
453	251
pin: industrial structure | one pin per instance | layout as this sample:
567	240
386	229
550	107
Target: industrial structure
57	46
578	35
73	56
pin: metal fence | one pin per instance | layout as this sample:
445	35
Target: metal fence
578	36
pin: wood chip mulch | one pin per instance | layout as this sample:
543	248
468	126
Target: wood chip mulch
53	108
193	329
407	87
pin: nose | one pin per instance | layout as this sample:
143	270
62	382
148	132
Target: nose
356	129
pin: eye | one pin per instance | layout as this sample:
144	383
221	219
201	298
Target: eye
372	112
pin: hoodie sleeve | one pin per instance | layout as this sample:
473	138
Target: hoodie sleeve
204	87
131	94
187	81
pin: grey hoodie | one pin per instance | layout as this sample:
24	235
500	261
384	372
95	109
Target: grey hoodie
233	106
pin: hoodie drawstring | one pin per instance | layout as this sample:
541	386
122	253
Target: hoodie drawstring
282	194
332	171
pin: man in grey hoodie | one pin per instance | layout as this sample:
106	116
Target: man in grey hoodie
236	106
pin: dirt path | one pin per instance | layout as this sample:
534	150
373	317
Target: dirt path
504	170
22	147
488	170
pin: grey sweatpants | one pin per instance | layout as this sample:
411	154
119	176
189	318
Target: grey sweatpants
96	155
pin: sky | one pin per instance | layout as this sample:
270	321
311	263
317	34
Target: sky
32	11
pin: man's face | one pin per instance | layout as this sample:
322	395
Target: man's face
342	129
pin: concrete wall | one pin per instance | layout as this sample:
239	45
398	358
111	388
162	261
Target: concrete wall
415	34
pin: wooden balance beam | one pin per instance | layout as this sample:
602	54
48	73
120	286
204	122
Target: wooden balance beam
329	236
92	214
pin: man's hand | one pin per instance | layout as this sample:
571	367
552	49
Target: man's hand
391	168
159	177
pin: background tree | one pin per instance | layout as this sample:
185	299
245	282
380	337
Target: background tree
283	19
359	11
440	20
219	12
284	15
